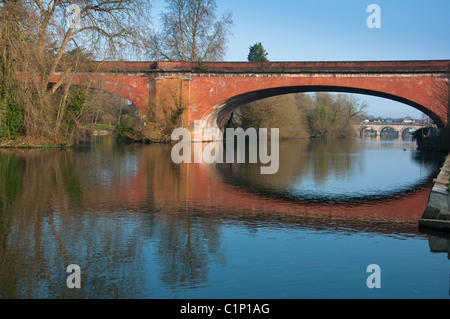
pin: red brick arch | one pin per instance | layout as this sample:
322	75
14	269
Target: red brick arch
413	91
221	110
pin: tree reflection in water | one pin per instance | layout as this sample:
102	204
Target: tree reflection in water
135	221
98	209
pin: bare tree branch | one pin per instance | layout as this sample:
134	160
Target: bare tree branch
191	32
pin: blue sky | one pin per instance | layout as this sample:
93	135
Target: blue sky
336	30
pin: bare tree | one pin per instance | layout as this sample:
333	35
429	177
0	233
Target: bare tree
274	112
191	32
335	115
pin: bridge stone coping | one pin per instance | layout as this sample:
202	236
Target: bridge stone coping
385	67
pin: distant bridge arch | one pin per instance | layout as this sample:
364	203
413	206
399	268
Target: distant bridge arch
378	128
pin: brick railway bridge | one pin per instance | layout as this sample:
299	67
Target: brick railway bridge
215	89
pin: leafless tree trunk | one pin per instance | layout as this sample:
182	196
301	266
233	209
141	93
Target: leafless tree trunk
191	32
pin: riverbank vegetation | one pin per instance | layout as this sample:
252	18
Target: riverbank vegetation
42	45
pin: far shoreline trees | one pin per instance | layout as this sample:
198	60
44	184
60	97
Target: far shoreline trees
301	115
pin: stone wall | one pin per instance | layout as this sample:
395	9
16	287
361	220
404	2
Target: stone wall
437	213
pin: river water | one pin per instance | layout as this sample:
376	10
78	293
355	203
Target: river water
140	226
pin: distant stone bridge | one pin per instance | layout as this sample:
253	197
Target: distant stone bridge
379	128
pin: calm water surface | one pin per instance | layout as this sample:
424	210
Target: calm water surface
140	226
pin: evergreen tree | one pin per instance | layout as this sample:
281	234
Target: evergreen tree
257	53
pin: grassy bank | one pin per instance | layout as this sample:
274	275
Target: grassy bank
34	142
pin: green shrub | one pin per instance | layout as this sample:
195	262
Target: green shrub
11	118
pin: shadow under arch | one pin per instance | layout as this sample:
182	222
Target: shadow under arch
364	129
406	131
387	129
222	110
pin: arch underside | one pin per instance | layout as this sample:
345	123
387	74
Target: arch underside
221	111
114	88
388	129
110	85
112	92
406	131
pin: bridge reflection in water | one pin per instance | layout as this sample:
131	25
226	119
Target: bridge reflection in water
106	207
213	189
